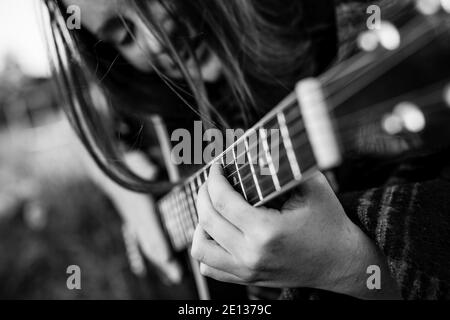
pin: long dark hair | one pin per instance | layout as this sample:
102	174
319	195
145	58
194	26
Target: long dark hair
265	46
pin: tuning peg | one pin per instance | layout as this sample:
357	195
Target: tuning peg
386	35
368	40
429	7
447	95
392	124
389	36
406	116
446	5
411	115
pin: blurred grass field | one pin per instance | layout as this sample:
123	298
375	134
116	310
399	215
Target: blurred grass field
52	216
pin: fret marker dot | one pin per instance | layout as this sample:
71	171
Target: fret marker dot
428	7
368	41
447	95
389	36
411	115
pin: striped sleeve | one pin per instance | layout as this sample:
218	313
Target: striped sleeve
410	223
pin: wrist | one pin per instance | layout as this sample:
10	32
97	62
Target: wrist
350	273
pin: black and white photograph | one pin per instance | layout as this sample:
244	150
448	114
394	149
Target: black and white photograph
248	151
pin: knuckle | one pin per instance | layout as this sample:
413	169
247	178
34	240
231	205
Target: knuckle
217	196
219	204
250	277
203	219
197	252
201	196
205	270
265	237
321	178
253	262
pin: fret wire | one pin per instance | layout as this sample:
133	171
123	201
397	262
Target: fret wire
288	121
170	225
194	191
251	162
269	160
199	183
252	169
173	223
202	177
250	188
239	174
173	219
180	216
255	145
194	202
246	177
191	205
185	216
190	224
250	200
288	146
184	237
177	216
302	135
244	170
178	222
189	209
165	218
275	142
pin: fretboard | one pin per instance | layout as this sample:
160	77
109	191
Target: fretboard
268	160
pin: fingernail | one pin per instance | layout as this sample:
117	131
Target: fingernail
217	167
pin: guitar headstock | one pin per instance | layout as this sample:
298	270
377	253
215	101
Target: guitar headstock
394	96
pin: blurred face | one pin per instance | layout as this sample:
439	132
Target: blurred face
136	43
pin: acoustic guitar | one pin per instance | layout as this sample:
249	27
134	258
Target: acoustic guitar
391	99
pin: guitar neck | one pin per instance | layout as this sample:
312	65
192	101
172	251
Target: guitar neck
268	160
